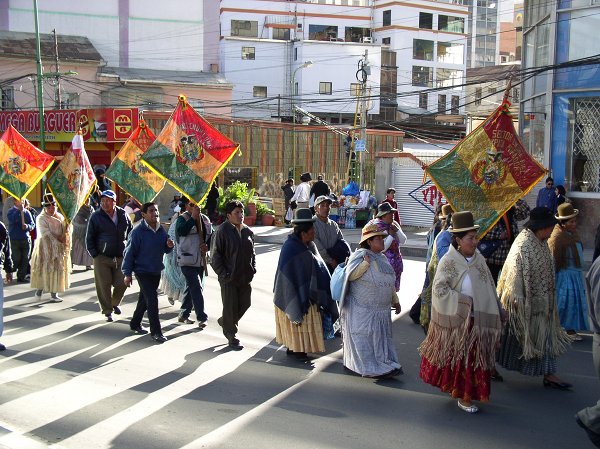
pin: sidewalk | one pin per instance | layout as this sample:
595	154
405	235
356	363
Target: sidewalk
416	245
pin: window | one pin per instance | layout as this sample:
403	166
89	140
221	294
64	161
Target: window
355	89
442	104
492	90
455	105
426	20
248	52
322	32
325	88
584	153
449	78
355	34
422	76
244	28
282	34
69	100
259	91
386	41
478	96
450	53
516	95
8	98
295	54
387	18
422	50
423	100
451	24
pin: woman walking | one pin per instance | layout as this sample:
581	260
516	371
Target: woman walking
458	353
79	253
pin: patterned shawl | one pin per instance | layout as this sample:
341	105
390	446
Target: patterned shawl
563	245
451	337
527	291
302	279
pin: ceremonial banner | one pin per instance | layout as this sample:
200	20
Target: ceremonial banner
129	173
22	165
189	153
488	171
73	179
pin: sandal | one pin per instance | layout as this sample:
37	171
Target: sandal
468	408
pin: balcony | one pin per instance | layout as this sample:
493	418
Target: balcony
280	21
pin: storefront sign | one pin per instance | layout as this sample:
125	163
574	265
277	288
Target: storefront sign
99	125
428	196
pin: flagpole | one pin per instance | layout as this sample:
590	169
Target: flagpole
507	91
40	79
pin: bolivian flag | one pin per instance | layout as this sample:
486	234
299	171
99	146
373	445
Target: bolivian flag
72	181
129	173
22	165
189	153
488	171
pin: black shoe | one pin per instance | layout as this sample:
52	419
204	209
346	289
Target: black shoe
593	436
202	324
557	385
496	376
2	347
159	338
139	330
117	310
184	320
234	344
220	321
108	317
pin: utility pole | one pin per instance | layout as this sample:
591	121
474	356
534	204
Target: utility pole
57	95
364	72
40	79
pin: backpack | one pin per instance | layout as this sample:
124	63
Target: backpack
337	281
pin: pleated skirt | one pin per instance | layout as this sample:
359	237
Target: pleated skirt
304	337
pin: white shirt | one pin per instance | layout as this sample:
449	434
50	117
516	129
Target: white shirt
302	193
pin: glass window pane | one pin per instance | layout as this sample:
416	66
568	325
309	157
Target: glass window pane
426	20
248	53
451	24
450	53
422	76
422	49
449	78
322	32
244	28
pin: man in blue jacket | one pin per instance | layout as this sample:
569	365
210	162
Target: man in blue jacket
107	232
144	251
20	223
6	261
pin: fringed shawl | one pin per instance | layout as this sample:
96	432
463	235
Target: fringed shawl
563	246
450	337
302	279
527	291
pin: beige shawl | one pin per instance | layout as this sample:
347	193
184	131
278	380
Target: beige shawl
450	337
526	290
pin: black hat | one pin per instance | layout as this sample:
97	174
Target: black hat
462	222
100	171
384	209
303	215
48	200
540	218
305	177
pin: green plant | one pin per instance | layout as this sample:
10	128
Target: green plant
237	191
262	209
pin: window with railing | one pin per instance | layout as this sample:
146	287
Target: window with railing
583	139
244	28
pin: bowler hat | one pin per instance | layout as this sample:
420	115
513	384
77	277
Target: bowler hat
109	194
462	222
566	211
384	209
322	198
540	218
48	200
446	210
303	215
305	177
371	230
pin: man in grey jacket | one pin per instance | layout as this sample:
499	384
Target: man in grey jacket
234	261
328	238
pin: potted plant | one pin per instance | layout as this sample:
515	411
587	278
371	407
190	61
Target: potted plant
265	214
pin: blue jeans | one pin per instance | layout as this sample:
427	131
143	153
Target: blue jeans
192	295
147	300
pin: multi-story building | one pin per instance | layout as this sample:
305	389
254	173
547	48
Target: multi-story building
560	107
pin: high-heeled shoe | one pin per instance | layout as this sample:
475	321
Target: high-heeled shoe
558	385
468	408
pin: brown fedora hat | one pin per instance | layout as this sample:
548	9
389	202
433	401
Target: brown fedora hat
462	222
446	210
370	230
566	211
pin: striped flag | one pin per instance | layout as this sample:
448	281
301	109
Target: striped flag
129	173
488	171
72	181
22	165
189	153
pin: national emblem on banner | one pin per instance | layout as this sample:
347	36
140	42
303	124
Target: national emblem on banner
22	165
73	179
488	171
189	153
128	171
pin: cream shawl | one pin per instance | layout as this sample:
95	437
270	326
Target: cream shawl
450	337
526	290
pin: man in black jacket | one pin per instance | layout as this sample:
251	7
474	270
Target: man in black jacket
107	232
234	262
6	260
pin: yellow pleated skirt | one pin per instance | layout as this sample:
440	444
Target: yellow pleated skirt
306	337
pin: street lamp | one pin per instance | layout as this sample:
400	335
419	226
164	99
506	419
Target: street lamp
293	91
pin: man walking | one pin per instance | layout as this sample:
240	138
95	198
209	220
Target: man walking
328	238
234	261
6	260
547	196
20	224
192	231
146	246
107	232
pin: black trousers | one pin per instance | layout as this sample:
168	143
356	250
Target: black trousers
236	300
147	301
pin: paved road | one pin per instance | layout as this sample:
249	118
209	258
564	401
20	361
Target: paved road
70	380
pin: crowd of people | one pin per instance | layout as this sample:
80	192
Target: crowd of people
515	299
